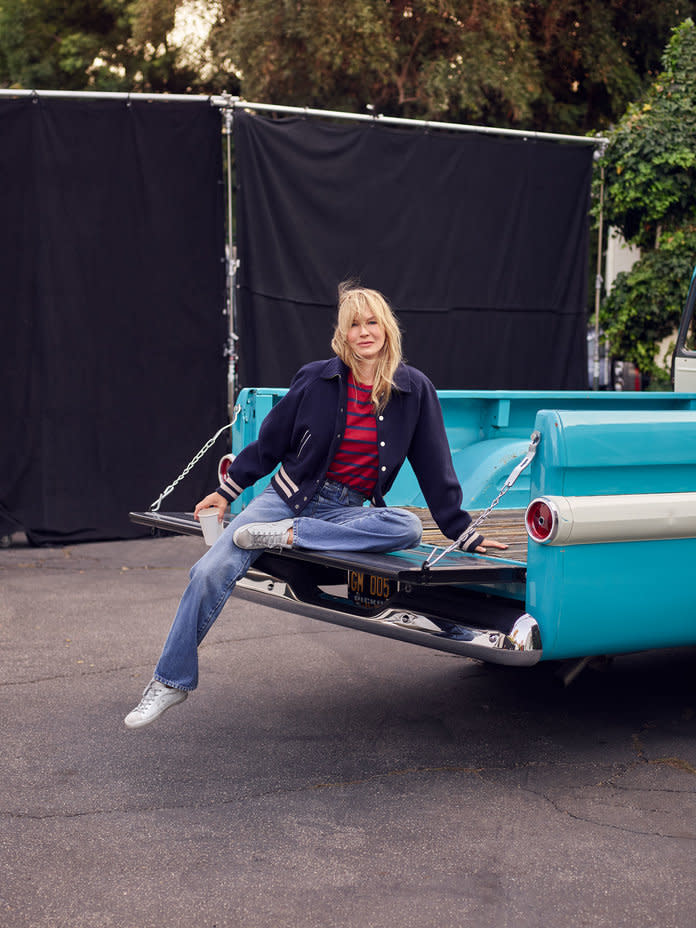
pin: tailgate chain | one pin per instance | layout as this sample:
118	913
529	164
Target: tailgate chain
431	560
154	507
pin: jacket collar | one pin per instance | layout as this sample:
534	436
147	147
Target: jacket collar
336	368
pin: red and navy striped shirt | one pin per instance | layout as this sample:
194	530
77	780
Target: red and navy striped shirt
357	458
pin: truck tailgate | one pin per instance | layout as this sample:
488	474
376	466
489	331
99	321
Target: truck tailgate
404	566
471	605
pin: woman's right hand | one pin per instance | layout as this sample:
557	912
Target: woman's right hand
212	501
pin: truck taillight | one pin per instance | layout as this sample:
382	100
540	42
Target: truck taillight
541	520
224	465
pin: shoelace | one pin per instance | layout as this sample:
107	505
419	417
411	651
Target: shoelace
150	694
269	539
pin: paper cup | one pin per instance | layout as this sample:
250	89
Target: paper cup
212	529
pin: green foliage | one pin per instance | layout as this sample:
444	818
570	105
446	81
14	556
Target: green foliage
544	64
645	303
50	45
425	57
89	45
486	68
598	56
650	196
304	53
651	159
539	64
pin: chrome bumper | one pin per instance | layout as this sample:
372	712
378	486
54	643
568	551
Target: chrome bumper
520	647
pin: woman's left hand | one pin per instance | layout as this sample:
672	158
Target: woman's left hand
490	543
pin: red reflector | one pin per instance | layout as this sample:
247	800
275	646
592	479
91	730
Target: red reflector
224	466
540	521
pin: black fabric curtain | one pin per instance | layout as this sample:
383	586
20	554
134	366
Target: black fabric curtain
112	325
480	244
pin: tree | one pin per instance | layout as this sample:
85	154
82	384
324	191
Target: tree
90	45
550	65
650	196
558	65
405	57
597	56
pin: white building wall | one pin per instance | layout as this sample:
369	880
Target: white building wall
619	257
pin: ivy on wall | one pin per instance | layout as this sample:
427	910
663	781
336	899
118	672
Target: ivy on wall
650	196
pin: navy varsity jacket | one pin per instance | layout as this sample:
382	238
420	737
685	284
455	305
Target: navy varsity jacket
304	429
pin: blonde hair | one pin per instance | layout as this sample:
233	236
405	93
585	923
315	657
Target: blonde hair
354	302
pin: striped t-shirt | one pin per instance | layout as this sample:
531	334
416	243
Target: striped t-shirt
357	458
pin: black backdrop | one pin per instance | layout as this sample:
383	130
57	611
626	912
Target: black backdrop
480	243
112	298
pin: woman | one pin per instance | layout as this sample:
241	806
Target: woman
340	435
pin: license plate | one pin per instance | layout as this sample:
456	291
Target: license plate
369	589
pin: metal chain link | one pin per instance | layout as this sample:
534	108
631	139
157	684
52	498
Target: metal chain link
154	507
535	438
524	463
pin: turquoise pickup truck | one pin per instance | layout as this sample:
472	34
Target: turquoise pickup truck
595	495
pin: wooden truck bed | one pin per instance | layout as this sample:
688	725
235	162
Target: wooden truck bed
506	525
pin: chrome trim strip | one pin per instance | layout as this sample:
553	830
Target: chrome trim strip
582	520
521	647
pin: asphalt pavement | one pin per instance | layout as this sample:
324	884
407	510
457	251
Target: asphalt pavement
320	776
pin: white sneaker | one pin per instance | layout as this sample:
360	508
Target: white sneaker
156	699
263	535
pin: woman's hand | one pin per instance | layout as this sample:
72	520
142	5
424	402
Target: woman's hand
212	501
490	543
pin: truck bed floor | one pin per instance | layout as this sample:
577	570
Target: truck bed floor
506	525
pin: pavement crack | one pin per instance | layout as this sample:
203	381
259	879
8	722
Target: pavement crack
677	762
612	826
218	802
98	671
479	773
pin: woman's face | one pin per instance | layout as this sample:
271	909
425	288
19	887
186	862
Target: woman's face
366	336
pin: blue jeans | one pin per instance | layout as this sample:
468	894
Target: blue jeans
334	520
